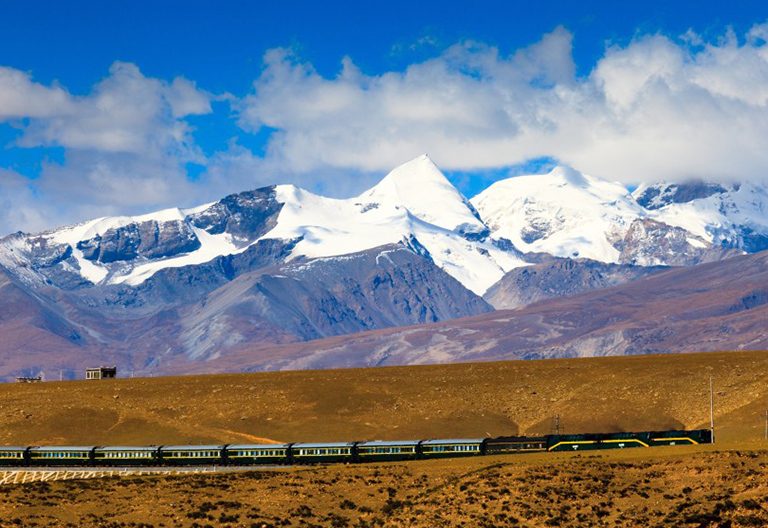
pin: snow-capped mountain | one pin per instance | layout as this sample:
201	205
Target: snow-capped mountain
281	265
414	204
734	216
564	213
569	214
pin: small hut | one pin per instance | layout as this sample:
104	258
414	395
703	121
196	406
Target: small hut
101	373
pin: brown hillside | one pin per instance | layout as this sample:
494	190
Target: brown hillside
462	400
714	306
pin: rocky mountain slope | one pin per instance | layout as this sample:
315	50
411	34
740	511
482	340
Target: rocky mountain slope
560	278
713	306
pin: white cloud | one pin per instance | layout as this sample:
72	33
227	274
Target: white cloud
125	146
21	97
126	112
18	204
655	109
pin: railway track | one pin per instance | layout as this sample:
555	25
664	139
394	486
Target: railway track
10	475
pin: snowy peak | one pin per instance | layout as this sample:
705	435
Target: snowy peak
565	213
130	249
569	176
413	203
423	189
734	216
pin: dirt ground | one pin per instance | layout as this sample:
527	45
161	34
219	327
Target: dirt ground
684	488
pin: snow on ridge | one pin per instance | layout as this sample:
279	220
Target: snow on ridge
331	227
415	200
565	213
423	189
211	247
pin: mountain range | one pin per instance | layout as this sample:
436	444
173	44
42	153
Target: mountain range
186	289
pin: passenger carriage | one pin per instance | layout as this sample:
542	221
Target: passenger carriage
451	448
126	456
192	455
323	452
507	445
61	455
380	451
257	453
13	456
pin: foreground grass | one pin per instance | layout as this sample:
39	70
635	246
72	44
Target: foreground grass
690	487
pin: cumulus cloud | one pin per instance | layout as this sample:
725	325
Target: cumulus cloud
20	97
125	113
657	108
18	203
125	144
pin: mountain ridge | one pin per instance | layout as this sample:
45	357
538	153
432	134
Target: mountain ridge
280	265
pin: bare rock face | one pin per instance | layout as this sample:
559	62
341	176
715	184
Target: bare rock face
380	288
149	239
246	216
560	278
657	196
648	243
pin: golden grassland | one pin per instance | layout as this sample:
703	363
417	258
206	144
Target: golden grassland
722	485
436	401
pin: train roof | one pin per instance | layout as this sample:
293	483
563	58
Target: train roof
518	439
192	447
323	446
61	448
126	448
257	446
12	448
376	443
453	441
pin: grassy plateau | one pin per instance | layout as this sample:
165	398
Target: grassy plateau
721	485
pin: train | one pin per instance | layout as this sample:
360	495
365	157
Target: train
336	452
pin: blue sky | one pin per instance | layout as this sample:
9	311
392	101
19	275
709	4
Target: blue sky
126	107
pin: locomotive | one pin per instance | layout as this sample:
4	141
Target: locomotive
314	453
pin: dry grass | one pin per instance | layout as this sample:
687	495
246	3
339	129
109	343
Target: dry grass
617	489
594	394
699	486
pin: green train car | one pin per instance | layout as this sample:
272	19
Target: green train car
319	453
191	455
61	455
452	448
246	454
381	451
125	456
587	442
